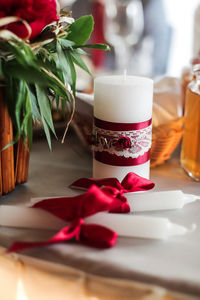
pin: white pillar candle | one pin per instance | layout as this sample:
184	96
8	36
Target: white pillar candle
125	100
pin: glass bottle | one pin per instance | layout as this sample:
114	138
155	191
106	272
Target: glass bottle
190	151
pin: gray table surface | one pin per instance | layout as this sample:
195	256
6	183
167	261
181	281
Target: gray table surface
173	264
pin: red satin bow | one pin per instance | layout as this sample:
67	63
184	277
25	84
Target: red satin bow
131	183
88	234
75	209
82	206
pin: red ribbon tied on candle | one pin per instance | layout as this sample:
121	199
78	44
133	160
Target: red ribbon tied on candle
122	144
131	183
75	209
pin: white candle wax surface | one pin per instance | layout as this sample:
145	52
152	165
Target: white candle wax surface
151	201
25	217
101	170
140	202
138	226
126	225
120	99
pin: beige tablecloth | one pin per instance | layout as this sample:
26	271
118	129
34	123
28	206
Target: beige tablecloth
133	269
25	278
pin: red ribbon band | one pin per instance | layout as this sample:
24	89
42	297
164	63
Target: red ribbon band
121	126
115	160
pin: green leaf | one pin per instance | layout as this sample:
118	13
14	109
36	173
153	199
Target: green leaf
72	71
67	65
20	98
44	105
79	62
81	29
66	43
26	117
80	51
63	64
1	70
47	133
27	129
28	74
57	98
11	90
34	76
34	105
8	145
94	46
23	53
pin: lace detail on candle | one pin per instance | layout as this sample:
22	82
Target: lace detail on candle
129	144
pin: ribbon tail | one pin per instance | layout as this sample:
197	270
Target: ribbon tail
97	236
65	234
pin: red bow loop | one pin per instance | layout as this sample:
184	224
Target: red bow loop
135	183
131	183
123	207
70	208
86	183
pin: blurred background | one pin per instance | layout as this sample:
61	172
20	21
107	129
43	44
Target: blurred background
153	38
147	37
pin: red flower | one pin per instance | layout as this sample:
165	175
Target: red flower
37	13
123	143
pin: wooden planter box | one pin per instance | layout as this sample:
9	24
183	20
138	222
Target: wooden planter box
14	160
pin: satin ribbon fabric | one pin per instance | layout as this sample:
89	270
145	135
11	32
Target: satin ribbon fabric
106	151
120	161
88	234
121	126
74	209
131	183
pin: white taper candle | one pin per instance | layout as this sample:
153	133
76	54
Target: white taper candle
152	201
126	225
26	217
138	226
140	202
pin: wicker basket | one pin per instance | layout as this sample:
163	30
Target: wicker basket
165	138
14	160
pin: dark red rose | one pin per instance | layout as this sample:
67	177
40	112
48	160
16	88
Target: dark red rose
37	13
123	143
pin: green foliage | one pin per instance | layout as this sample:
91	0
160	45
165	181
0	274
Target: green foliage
80	31
37	74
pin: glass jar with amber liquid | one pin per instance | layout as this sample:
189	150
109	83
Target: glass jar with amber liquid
190	151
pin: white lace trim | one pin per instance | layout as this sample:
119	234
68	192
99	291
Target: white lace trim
140	141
